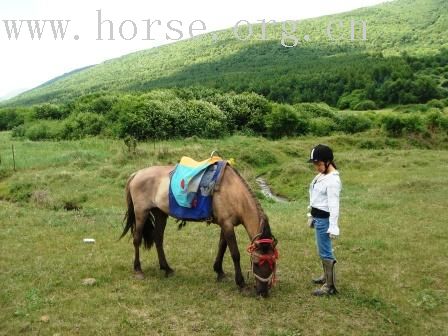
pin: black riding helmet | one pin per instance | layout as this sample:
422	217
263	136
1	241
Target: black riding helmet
322	153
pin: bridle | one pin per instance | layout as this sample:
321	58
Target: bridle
256	257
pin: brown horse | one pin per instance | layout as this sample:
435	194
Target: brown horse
233	203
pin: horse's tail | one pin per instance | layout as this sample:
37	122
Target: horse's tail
129	219
129	216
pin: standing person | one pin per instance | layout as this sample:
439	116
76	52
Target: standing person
324	192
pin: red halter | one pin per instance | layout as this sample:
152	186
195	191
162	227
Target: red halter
271	259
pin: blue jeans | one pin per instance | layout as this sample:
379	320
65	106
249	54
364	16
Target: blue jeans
323	240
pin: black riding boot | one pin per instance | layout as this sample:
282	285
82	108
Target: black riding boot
329	288
320	280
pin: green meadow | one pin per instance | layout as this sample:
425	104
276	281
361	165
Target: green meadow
392	251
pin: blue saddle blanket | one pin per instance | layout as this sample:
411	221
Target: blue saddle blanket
200	207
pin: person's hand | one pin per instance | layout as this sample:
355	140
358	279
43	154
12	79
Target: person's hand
332	236
310	221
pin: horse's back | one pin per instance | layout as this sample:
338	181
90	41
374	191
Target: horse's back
149	187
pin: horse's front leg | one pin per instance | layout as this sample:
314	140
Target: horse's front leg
229	235
217	266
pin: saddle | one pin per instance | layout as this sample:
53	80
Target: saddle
192	184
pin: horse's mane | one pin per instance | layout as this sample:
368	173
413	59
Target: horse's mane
264	220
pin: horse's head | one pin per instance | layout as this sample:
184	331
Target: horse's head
264	255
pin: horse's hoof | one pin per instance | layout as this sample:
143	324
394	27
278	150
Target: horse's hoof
139	275
221	277
169	273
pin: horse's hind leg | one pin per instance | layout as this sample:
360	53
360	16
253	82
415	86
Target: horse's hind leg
160	223
140	218
217	266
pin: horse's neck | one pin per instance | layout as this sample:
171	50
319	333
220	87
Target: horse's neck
250	213
251	218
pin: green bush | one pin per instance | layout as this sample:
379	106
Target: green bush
102	105
413	124
313	110
445	102
410	108
397	125
365	105
353	123
322	126
393	124
351	100
198	118
243	111
20	191
49	111
18	131
42	130
284	121
146	120
10	118
82	124
436	103
436	120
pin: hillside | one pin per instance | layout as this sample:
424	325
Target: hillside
406	41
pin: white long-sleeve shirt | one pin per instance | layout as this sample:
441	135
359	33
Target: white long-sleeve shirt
324	195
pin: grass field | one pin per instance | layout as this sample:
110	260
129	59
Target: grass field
392	251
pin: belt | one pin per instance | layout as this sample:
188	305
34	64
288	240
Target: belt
319	213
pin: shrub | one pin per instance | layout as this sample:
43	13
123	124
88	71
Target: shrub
351	100
19	131
313	110
396	125
82	124
436	120
436	103
365	105
353	123
42	130
445	102
199	118
284	121
146	120
20	191
393	124
49	111
10	118
413	124
322	126
101	105
410	108
243	111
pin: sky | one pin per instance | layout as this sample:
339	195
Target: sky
26	62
